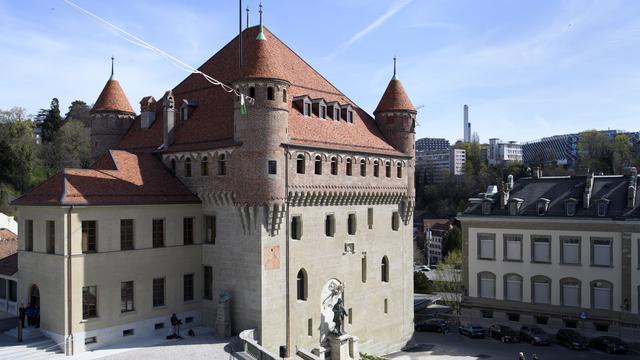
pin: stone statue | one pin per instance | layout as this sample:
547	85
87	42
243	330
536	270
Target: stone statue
338	317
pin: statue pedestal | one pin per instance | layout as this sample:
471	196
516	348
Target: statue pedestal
223	319
344	347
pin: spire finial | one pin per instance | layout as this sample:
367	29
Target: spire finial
112	60
395	77
247	16
261	33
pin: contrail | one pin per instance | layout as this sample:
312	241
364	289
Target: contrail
395	7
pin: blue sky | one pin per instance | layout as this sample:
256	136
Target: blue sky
527	69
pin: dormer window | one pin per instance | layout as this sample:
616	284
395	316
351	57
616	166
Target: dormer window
570	206
350	116
319	108
543	206
336	113
322	111
514	206
186	108
486	207
303	104
333	110
307	109
184	113
603	207
347	113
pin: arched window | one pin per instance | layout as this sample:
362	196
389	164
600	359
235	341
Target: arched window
487	285
222	164
540	290
173	166
301	281
399	170
513	287
252	92
270	95
349	169
284	95
376	168
601	294
187	167
387	170
363	168
300	164
334	166
318	165
204	166
384	269
570	292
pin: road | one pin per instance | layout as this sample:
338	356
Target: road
452	346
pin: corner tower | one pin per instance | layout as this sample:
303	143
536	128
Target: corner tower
111	117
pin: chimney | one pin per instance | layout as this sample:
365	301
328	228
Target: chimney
168	109
631	190
147	112
587	191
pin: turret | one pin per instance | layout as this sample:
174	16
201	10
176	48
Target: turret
111	117
169	118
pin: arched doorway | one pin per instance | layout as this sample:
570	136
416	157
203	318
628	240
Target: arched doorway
34	295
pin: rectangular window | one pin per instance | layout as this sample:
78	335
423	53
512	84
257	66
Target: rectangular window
208	283
486	246
513	289
210	229
309	327
126	234
90	340
330	225
272	167
296	227
158	233
601	252
158	326
540	249
570	250
126	296
540	292
28	235
601	298
386	306
187	231
89	302
512	247
188	287
364	268
188	320
13	290
350	315
89	237
395	221
487	288
370	218
570	295
51	237
158	292
127	332
351	224
3	288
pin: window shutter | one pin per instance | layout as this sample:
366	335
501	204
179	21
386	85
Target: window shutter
513	250
486	248
601	254
570	295
487	288
601	297
541	251
513	289
541	292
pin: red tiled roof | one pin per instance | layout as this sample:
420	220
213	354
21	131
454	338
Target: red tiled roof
6	234
394	98
9	265
112	98
119	177
212	120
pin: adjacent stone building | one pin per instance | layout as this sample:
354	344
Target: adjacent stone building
193	198
547	249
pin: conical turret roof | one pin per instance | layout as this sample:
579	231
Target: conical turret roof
395	98
261	57
112	98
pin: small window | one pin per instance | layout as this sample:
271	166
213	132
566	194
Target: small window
300	164
173	166
89	302
222	164
370	218
387	168
272	166
541	320
570	250
571	324
512	249
386	306
334	166
51	237
307	109
350	116
309	327
188	319
570	207
322	111
384	268
363	265
187	167
351	224
284	95
363	168
210	230
350	315
301	285
395	221
486	207
126	296
204	166
603	206
330	225
270	95
486	246
296	227
158	292
376	168
540	248
158	326
543	206
487	314
28	243
513	317
158	232
90	340
187	284
89	237
252	92
128	332
349	169
336	113
318	165
184	113
514	206
208	283
399	170
187	231
601	254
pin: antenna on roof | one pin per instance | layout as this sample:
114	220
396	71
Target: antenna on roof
395	77
240	34
112	59
247	17
261	34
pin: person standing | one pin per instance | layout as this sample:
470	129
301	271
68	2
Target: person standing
36	315
22	313
29	315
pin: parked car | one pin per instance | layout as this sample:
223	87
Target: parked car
503	333
610	344
534	335
471	330
436	325
423	268
571	339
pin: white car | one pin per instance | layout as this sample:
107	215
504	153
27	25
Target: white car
422	268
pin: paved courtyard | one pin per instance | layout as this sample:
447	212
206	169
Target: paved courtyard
451	346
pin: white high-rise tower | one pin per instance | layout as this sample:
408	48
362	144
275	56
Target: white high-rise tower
466	131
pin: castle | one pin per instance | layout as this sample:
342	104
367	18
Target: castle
193	197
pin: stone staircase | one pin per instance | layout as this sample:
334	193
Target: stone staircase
34	349
27	333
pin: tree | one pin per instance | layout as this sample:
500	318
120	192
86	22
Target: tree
50	120
421	283
620	153
13	115
70	148
79	110
16	149
452	241
449	285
